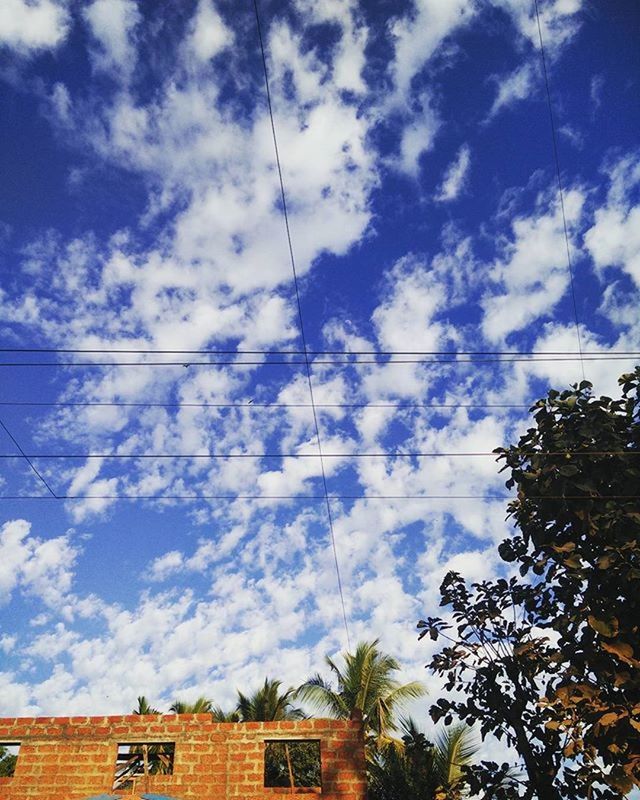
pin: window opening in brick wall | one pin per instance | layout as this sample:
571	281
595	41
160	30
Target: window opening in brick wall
294	763
8	758
136	761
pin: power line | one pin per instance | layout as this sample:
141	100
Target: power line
251	404
321	498
348	456
27	459
291	352
556	157
302	333
325	361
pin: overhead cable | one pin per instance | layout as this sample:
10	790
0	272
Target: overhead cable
26	458
283	197
307	362
567	454
292	352
322	497
251	404
554	139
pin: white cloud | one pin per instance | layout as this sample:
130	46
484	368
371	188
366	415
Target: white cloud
216	273
16	694
559	20
263	591
40	567
419	35
572	135
533	271
561	337
456	175
32	26
417	137
209	34
517	86
595	91
112	23
349	57
163	566
614	238
407	313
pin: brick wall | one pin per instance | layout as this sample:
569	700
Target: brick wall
73	758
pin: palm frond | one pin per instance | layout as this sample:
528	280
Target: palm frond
144	707
268	703
202	705
455	747
321	695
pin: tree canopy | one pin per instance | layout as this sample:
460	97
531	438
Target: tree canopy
549	659
7	762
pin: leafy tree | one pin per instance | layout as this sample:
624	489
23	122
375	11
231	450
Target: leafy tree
549	661
420	769
366	684
292	764
8	762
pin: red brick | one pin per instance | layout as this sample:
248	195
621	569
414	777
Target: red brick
74	757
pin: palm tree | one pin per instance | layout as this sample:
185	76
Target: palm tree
366	684
155	758
218	714
143	707
286	764
200	706
455	747
268	704
420	770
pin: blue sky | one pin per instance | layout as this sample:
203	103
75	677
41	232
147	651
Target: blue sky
140	210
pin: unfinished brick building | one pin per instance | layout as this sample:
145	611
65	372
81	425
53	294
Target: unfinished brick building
185	757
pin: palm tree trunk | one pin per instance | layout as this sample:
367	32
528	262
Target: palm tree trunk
292	781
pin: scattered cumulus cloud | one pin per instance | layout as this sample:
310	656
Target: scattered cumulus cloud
205	265
533	275
417	137
209	34
30	27
419	35
455	177
513	88
614	238
39	567
112	24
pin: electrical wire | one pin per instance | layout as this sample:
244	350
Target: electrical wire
323	361
321	498
239	352
567	454
301	321
26	458
252	404
554	138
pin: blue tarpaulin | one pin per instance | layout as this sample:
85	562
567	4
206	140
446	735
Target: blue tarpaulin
104	797
158	797
145	795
